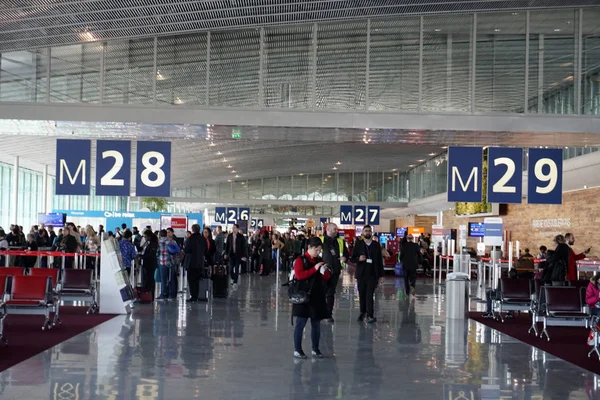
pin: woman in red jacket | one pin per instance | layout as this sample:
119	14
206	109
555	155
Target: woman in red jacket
592	295
312	272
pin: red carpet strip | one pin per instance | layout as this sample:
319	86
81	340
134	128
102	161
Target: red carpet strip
567	343
26	338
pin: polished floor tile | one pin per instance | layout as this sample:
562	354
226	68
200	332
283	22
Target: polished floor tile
241	348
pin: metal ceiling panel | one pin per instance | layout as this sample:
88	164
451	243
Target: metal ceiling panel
26	24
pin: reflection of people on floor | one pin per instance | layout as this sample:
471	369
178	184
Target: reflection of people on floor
316	380
367	373
409	331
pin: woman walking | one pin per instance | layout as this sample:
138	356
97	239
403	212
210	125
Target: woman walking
311	272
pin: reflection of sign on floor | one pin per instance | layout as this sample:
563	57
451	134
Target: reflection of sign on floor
461	392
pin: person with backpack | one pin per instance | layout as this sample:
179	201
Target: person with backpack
310	273
167	264
592	295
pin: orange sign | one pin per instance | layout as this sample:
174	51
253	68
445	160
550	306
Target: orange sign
415	230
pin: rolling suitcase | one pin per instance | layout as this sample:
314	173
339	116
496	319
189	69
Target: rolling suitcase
220	282
205	289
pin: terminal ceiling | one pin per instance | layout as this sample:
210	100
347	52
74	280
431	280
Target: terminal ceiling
28	24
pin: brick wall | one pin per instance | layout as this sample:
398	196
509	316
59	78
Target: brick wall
581	208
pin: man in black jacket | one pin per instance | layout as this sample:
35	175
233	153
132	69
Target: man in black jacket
369	270
334	254
236	250
410	256
195	252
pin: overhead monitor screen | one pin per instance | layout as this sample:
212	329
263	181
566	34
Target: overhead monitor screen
476	229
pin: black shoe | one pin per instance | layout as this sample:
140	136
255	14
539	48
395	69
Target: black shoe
371	320
361	317
317	354
299	354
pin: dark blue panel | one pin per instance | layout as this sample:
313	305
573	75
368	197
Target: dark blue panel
153	169
73	158
113	168
360	215
465	165
373	212
345	215
505	175
545	176
221	215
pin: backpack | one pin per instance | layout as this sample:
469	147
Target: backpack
174	255
559	271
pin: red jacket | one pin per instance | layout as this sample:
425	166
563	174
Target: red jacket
592	295
572	267
302	274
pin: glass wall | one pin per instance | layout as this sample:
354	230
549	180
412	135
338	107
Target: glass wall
470	63
352	186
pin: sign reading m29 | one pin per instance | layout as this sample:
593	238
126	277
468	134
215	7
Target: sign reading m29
73	158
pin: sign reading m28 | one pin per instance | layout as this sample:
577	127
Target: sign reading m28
73	158
465	165
113	168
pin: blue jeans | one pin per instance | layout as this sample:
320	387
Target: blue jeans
315	333
168	282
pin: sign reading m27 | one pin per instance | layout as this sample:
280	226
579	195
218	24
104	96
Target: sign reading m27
359	215
465	165
113	168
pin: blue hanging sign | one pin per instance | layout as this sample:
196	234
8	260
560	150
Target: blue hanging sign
545	176
221	215
153	169
113	168
465	165
505	175
73	158
346	215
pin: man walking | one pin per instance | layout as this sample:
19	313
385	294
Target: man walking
195	251
369	270
219	246
410	257
335	254
235	251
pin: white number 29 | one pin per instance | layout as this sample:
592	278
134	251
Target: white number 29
551	177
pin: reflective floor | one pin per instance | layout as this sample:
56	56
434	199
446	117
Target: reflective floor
241	348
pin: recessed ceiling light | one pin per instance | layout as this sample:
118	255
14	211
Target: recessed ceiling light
233	171
334	168
438	30
338	163
367	129
444	147
301	174
420	160
496	30
212	144
432	154
219	153
329	176
224	160
208	125
237	176
395	169
229	166
411	165
243	183
515	13
389	177
178	101
228	180
557	30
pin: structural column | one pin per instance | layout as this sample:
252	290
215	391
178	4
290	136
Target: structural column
45	189
15	192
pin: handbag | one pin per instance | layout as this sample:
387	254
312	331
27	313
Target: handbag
297	294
